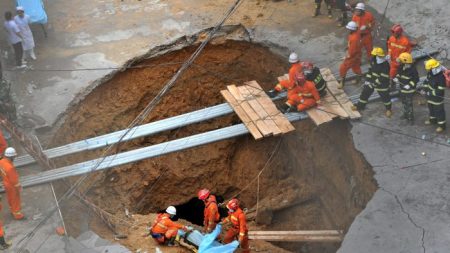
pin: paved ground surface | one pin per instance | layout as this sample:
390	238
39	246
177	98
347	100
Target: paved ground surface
409	212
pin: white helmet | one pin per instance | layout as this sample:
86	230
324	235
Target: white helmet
360	6
171	210
10	152
293	58
352	26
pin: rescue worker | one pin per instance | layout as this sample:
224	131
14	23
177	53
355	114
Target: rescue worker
302	96
312	73
11	183
407	77
3	244
377	78
7	105
164	230
353	58
365	21
342	6
435	88
211	212
235	226
318	5
3	144
296	67
397	43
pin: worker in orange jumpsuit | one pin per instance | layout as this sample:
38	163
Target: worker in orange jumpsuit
397	44
296	67
11	183
211	212
235	226
354	52
303	95
3	244
3	144
365	21
164	230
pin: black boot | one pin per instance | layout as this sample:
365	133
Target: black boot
171	241
285	108
317	11
4	244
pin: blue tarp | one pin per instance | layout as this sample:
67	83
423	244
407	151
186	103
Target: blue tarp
210	245
35	9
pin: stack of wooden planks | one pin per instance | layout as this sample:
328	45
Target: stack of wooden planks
335	104
256	110
297	236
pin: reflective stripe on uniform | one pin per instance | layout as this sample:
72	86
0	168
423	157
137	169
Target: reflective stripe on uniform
407	91
435	103
441	122
385	75
363	101
381	89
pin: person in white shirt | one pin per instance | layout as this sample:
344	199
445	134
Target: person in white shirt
14	38
23	22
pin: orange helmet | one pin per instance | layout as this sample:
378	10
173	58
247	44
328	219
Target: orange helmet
233	204
307	65
397	29
300	78
203	194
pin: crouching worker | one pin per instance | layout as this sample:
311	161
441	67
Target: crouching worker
164	230
302	96
312	73
235	226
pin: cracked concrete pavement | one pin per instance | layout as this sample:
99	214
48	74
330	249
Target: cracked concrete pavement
409	213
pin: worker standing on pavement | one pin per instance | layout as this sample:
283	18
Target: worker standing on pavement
312	73
235	226
211	212
365	21
164	230
3	244
342	6
407	77
353	58
397	43
435	90
11	183
377	78
319	4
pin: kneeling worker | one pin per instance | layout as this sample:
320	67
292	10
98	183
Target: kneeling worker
164	230
235	226
377	78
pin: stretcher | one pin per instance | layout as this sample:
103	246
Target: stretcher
206	243
35	9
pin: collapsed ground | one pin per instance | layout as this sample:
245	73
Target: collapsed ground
316	180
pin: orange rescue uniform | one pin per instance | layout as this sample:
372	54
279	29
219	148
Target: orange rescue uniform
288	84
211	214
353	58
368	21
12	187
2	231
3	144
164	228
303	96
235	227
396	46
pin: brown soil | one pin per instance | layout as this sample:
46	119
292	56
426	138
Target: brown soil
317	180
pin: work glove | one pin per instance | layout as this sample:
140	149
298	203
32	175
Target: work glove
188	228
363	28
272	93
388	57
367	83
407	87
319	102
395	80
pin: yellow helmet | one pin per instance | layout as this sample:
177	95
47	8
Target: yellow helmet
405	58
431	64
378	51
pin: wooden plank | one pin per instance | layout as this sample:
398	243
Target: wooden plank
339	94
298	232
296	238
242	115
318	116
263	128
332	106
282	122
283	77
251	99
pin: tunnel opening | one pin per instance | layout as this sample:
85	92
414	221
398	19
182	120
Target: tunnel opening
316	180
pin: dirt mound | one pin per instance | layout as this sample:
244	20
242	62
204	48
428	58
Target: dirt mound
317	180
